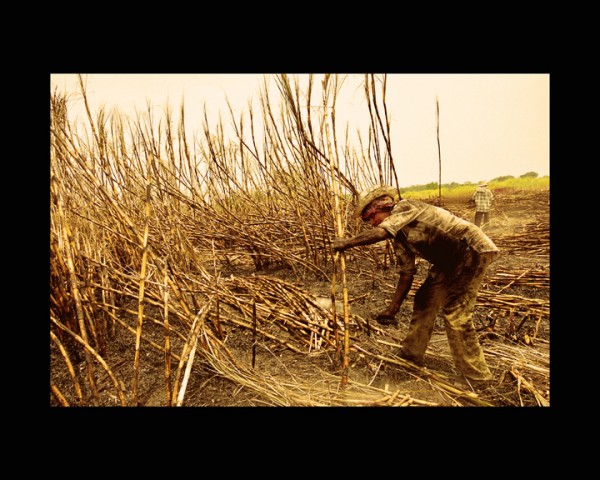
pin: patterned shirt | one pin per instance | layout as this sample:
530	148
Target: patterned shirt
432	233
483	199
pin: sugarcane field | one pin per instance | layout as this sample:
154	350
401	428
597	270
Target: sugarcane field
199	271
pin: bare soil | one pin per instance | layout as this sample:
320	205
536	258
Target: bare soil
512	318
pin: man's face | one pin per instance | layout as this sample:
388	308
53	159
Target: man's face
373	215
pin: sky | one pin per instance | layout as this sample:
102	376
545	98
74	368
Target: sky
491	125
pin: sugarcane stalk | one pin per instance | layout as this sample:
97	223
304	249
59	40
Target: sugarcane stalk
140	318
94	355
69	247
167	340
70	367
437	116
339	229
188	351
253	333
59	396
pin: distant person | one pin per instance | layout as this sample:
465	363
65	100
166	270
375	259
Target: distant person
483	199
459	253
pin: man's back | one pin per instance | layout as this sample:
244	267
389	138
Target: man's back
483	199
434	233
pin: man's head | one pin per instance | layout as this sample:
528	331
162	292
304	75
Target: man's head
375	200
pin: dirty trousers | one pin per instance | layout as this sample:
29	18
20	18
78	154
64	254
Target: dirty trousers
454	291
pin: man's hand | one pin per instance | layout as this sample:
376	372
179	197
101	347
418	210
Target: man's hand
387	317
339	244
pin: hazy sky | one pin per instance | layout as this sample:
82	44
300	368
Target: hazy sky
490	124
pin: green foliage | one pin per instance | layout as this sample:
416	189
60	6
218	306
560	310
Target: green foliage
529	175
502	179
456	190
419	188
523	183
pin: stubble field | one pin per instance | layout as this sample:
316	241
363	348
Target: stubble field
266	337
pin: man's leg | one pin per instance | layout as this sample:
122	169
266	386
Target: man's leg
478	217
486	218
427	303
458	318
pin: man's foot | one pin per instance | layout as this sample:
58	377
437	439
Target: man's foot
411	358
467	383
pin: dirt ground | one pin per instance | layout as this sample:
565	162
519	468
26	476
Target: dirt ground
512	318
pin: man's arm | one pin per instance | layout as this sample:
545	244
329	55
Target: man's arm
404	283
367	237
406	276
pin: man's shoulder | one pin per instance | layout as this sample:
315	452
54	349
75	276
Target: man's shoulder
410	203
407	210
402	206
